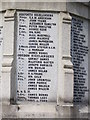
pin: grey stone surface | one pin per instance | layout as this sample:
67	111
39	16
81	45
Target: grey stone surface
64	107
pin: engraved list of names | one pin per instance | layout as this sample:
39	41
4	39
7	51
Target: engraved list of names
37	49
79	53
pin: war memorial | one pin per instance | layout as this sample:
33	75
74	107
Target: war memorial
44	59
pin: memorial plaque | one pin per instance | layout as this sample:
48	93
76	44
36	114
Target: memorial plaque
37	49
79	53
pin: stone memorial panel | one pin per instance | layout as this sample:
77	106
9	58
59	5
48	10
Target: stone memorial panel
79	53
37	49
